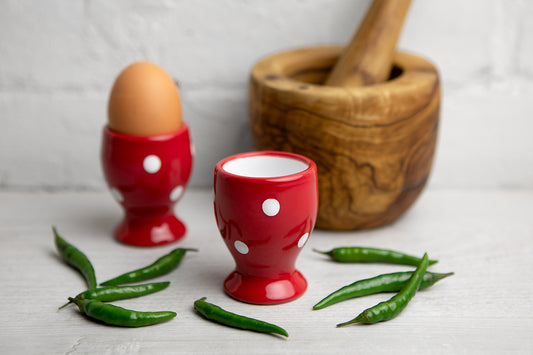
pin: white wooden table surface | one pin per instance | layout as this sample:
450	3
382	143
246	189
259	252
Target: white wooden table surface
485	237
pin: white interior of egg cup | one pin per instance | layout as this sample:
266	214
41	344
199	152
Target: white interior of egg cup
265	166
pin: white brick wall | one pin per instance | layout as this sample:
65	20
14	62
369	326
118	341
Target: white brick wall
58	59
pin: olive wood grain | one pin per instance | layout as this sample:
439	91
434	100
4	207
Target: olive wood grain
373	145
368	57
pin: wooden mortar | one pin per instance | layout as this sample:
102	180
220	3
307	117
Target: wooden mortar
373	145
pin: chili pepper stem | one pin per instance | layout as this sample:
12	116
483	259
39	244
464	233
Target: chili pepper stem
76	301
362	318
442	276
63	306
73	300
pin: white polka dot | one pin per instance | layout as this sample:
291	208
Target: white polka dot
193	150
303	240
152	164
117	195
241	247
271	207
176	193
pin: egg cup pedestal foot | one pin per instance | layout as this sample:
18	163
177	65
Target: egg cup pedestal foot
147	176
260	290
149	229
265	207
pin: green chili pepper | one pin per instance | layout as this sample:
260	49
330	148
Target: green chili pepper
368	255
215	313
75	258
391	308
114	293
114	315
392	282
161	266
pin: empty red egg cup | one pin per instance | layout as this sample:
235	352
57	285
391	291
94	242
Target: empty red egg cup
265	207
147	176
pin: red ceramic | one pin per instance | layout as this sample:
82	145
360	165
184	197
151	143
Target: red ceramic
265	207
147	176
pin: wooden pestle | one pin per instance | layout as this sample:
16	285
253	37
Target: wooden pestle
368	58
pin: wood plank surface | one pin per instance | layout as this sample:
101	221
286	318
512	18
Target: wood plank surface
485	237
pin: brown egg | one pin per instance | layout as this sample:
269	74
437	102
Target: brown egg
144	101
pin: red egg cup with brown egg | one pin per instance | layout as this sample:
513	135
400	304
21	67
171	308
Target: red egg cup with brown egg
147	175
265	207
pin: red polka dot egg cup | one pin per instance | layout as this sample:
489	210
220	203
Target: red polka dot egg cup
147	176
265	207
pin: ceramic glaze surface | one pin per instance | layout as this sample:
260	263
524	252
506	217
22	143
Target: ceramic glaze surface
265	217
264	166
147	176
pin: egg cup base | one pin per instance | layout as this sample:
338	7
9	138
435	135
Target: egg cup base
152	230
260	290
